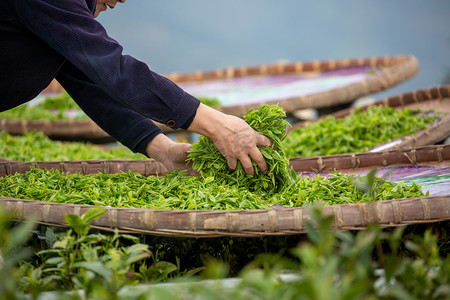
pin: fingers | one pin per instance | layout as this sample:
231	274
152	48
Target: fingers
232	163
258	158
246	150
247	165
263	140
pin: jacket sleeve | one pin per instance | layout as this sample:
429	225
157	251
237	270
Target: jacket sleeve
133	130
70	29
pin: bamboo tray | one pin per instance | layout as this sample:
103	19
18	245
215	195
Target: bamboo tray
434	98
246	223
388	72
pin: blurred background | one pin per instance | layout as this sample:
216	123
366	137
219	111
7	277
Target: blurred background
186	36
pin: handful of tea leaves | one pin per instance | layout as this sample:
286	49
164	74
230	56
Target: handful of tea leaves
268	120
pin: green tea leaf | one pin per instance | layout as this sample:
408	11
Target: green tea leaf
92	214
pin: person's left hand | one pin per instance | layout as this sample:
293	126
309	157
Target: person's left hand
171	154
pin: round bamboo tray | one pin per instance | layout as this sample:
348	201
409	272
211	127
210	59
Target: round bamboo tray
388	71
246	223
64	129
434	98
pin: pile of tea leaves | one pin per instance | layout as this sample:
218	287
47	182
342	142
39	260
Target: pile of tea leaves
52	108
35	146
177	190
268	120
358	132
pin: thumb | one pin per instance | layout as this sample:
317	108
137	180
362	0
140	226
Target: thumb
180	151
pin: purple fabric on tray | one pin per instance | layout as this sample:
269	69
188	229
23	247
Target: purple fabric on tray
254	89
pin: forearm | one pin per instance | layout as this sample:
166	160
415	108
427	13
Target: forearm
207	121
124	124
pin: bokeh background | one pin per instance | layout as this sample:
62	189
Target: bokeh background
186	36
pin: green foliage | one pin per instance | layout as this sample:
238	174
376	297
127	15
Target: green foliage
370	264
98	265
81	224
35	146
12	252
358	132
176	190
333	265
52	108
268	120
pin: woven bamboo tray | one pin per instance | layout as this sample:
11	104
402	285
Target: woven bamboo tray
434	98
392	70
246	223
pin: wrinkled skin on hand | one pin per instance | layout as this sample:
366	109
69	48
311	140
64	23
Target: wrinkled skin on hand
233	137
238	141
171	154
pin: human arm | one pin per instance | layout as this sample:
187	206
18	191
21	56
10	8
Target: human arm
69	28
131	129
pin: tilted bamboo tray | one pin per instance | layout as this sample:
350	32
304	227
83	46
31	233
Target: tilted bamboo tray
391	70
246	223
434	98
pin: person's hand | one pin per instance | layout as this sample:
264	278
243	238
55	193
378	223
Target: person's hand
233	137
171	154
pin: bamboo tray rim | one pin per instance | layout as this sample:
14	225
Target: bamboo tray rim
429	154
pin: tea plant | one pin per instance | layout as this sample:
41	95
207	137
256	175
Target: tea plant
12	253
95	264
370	264
358	132
332	265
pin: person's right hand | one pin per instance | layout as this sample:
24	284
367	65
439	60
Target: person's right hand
233	137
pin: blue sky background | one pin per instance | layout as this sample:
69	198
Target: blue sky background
185	36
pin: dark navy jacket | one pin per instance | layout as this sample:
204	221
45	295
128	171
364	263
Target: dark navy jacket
45	39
